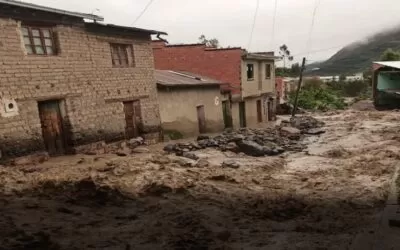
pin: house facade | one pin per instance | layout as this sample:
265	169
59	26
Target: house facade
191	104
66	83
250	77
386	84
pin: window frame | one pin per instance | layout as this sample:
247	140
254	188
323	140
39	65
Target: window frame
121	55
268	66
247	71
42	38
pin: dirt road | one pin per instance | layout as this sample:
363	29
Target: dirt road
317	199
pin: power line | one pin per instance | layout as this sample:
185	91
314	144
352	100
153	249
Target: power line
317	3
273	24
143	11
319	50
254	24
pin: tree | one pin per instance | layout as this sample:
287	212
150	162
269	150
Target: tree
285	53
295	70
390	55
214	43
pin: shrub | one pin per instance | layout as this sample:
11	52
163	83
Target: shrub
315	95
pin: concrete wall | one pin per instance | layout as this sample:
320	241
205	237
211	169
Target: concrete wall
260	84
83	76
178	109
251	112
235	115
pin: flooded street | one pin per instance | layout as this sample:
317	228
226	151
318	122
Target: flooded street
320	198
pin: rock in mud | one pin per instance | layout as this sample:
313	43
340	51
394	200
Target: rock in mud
315	131
160	159
202	143
202	163
170	148
122	152
230	164
231	147
185	162
305	122
273	151
212	143
291	133
141	150
236	138
190	156
251	148
135	142
202	137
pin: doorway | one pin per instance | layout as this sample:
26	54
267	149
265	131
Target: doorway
269	105
242	114
259	111
52	126
227	113
201	118
133	119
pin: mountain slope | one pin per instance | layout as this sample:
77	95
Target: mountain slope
358	57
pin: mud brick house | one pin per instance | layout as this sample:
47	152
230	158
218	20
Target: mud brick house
250	76
190	103
65	83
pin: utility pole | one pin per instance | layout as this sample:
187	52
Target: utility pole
298	87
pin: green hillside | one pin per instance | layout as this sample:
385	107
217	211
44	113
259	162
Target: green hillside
358	57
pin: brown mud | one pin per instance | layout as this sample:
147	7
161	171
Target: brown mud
316	199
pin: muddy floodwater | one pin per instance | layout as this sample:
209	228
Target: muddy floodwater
320	198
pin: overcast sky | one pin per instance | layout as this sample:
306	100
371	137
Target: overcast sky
337	22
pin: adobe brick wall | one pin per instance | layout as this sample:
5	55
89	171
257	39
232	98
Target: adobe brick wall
81	74
221	64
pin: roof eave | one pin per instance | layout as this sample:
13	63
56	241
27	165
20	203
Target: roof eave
189	85
259	57
52	10
126	28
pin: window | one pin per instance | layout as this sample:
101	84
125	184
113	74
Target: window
119	55
268	71
250	71
38	41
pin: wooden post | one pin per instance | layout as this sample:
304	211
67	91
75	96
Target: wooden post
298	87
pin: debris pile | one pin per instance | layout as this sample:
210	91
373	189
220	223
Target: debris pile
254	142
305	123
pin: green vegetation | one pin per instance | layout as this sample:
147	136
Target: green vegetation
213	42
390	55
316	95
351	89
293	71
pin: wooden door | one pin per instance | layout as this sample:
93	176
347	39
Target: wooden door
227	113
242	114
259	111
201	117
132	119
52	127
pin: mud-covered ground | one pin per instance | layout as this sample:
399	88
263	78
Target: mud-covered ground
318	199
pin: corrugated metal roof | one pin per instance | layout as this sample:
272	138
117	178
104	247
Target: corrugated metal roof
180	78
392	64
261	56
123	28
52	10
